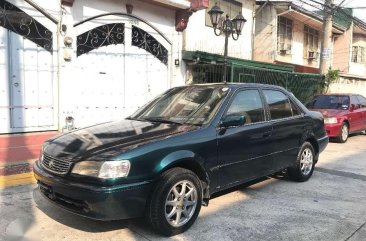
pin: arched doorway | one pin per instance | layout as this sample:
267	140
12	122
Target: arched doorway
122	62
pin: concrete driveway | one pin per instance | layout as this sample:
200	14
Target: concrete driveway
330	206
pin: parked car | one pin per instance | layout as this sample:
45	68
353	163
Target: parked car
343	114
168	158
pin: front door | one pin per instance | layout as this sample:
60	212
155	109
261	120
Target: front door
27	85
243	150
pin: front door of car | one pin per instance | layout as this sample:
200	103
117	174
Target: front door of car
288	128
243	148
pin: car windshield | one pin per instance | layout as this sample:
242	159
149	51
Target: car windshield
340	102
195	105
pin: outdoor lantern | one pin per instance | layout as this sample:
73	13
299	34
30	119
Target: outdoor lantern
215	15
227	27
238	23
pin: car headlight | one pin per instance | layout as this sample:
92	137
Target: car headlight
103	169
330	120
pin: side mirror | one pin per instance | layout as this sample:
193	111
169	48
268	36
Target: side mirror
232	120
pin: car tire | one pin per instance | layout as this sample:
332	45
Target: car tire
305	163
175	202
343	133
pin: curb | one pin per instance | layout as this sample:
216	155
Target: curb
17	179
16	173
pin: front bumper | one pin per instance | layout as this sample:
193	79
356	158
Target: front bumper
333	130
96	202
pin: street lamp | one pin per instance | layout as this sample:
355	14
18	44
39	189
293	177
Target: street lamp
226	26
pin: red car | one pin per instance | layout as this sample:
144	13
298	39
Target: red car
344	114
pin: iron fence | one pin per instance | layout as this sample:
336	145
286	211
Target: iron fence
303	86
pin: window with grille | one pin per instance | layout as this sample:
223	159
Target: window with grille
231	7
311	42
284	34
358	54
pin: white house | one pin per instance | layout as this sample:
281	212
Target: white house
89	60
67	63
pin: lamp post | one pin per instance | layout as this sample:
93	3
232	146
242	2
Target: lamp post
227	26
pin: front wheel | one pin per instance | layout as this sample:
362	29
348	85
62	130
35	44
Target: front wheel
305	163
343	133
176	202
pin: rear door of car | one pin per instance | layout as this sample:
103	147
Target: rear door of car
288	127
244	151
362	100
355	114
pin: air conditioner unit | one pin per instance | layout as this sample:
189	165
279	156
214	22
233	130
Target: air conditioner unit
313	55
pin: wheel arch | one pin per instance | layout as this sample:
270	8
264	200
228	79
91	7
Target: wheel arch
315	145
190	161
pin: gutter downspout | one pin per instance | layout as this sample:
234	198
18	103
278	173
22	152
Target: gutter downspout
255	13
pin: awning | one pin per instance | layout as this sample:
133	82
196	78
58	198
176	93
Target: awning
311	21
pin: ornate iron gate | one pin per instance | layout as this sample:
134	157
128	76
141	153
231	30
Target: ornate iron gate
119	67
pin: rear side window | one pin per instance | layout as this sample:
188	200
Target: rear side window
249	104
362	101
279	105
355	101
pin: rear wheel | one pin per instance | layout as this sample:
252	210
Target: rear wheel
305	162
176	202
343	133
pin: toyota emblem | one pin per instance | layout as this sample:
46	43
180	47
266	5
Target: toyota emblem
51	163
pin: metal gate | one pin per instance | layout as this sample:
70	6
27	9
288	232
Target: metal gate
120	66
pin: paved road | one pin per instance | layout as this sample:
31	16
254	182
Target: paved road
330	206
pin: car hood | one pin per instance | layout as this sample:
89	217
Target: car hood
116	137
331	112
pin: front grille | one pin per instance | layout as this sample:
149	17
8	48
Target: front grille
54	165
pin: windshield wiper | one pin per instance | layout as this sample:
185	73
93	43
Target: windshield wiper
162	120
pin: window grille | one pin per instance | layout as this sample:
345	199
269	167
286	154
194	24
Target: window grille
284	34
358	54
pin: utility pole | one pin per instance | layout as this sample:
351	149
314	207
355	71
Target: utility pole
325	53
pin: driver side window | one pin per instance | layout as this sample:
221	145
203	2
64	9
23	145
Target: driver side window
247	103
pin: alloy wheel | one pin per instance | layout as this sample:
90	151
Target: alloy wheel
344	132
181	203
306	161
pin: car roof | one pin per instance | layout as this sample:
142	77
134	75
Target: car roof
239	85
